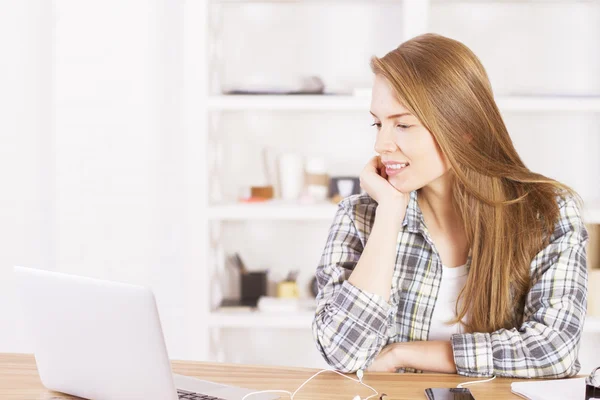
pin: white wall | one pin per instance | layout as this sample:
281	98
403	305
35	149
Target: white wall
551	47
118	194
94	152
25	162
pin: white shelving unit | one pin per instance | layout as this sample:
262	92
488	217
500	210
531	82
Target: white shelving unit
414	21
219	213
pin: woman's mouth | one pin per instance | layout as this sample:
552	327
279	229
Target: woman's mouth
395	169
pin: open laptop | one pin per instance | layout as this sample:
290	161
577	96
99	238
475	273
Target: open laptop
103	340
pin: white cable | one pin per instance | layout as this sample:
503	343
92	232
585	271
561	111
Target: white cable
267	391
309	379
460	385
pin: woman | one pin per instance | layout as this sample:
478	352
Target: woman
458	258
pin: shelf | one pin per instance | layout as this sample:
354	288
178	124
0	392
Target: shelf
278	210
549	103
290	102
258	319
273	210
362	103
303	320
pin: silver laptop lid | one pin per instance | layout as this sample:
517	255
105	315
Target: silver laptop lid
93	338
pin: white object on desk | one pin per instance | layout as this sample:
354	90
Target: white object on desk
557	389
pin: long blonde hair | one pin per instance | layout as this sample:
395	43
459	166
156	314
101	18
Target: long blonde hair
508	211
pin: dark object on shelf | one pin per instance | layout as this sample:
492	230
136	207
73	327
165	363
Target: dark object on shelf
239	264
269	93
254	285
341	187
292	276
237	305
306	85
262	192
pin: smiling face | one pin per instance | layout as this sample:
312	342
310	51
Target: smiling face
402	139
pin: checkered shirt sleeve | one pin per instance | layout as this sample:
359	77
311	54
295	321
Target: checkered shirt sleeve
547	342
351	325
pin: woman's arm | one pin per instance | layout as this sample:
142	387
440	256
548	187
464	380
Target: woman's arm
373	272
432	356
353	312
355	273
547	343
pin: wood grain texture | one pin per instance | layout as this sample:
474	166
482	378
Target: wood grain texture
19	380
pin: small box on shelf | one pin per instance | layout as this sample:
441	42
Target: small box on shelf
593	246
593	262
253	286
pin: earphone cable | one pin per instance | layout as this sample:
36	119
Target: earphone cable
309	379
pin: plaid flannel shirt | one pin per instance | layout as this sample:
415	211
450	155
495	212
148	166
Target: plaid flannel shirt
351	326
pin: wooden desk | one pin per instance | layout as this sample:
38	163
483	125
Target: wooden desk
19	380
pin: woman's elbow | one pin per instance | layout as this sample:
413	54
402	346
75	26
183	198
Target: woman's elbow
335	358
566	364
339	355
567	367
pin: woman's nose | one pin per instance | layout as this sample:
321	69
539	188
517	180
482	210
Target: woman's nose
384	142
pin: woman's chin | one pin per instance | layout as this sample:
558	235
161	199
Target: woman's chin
399	185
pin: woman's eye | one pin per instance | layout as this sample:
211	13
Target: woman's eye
401	126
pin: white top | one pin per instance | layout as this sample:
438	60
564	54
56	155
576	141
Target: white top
453	280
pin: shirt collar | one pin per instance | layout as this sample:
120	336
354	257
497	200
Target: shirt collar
413	218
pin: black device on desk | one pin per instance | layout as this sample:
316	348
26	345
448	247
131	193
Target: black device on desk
449	394
592	385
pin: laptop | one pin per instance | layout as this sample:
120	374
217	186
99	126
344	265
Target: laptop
98	339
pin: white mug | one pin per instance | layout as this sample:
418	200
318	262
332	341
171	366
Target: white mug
291	176
345	187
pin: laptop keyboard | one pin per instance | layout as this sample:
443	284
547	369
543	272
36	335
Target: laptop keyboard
184	394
